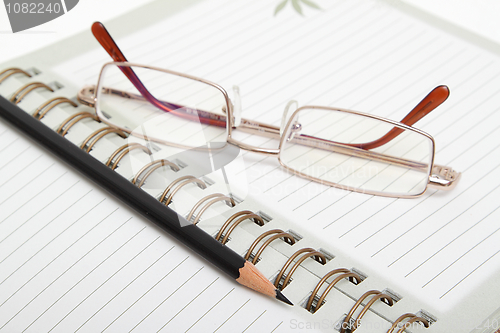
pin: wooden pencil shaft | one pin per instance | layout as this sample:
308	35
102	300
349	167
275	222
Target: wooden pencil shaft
192	236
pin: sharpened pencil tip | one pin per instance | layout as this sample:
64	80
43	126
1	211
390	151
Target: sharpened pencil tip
281	297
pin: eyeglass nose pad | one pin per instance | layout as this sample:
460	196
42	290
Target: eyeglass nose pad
236	106
289	108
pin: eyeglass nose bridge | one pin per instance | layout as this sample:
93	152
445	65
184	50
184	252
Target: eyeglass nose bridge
254	149
261	129
266	130
294	130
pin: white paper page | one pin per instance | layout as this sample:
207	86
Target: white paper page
74	260
366	56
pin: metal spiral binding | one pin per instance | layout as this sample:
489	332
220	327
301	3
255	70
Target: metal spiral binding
376	295
265	239
412	318
237	218
344	274
276	234
72	120
170	191
124	150
11	71
20	93
306	252
97	135
149	168
216	197
49	105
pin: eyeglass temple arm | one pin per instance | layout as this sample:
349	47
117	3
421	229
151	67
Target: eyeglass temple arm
251	126
441	177
273	132
435	98
104	38
85	96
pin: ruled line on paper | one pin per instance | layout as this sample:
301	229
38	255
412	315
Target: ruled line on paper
55	280
50	242
8	145
276	327
360	223
471	147
210	14
256	50
464	96
253	322
61	253
84	277
28	201
226	47
38	212
459	258
463	133
20	170
483	101
472	272
121	290
46	225
302	49
470	129
318	68
326	189
425	71
309	182
443	226
394	65
458	195
144	294
255	56
156	47
232	315
171	294
374	87
236	30
191	301
388	224
152	39
450	242
15	157
102	284
27	183
408	86
363	98
211	308
313	38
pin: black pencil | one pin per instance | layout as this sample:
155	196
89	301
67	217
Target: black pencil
192	236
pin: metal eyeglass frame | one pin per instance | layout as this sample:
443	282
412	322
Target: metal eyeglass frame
440	177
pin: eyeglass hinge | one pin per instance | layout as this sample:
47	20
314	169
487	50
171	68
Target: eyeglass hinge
443	177
86	96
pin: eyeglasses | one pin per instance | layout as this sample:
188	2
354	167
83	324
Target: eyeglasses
341	148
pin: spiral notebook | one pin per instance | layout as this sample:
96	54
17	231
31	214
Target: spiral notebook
73	259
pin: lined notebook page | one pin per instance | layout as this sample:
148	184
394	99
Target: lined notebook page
366	56
74	260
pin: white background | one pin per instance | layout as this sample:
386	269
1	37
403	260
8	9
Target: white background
479	16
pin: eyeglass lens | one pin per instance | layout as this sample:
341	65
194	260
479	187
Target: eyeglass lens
188	113
344	148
